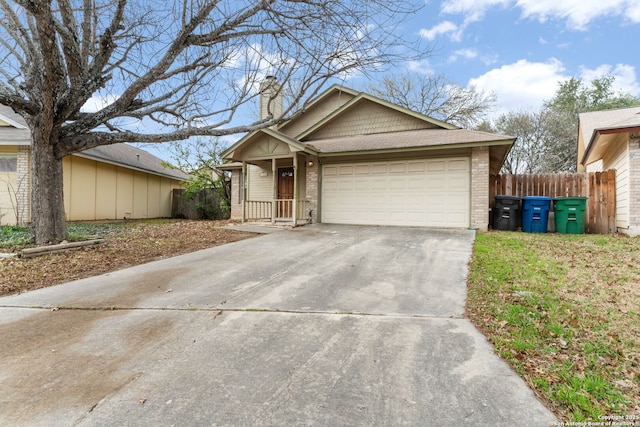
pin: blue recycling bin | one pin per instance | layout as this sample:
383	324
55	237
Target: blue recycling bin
535	214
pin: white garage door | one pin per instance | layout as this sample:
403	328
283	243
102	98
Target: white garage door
429	192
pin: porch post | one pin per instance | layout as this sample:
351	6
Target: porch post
243	190
294	208
274	203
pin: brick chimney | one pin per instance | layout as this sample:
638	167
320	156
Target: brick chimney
270	98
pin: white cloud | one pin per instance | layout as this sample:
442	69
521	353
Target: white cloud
522	85
97	103
473	10
625	77
422	67
579	13
463	53
446	27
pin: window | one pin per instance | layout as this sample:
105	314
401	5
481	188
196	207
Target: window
8	163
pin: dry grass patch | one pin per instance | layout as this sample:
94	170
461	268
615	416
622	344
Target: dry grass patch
125	244
564	310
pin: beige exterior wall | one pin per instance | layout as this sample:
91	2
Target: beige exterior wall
480	188
367	118
260	183
618	158
319	111
8	187
96	191
15	187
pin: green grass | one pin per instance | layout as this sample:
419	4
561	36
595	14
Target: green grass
564	310
15	238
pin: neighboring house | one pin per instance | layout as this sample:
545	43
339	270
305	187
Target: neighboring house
610	139
352	158
108	182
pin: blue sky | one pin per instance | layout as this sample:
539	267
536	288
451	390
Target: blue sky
520	50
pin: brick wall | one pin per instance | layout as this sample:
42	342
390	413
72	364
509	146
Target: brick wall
236	194
634	188
480	188
312	188
23	194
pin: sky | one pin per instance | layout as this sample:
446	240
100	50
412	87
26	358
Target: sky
520	50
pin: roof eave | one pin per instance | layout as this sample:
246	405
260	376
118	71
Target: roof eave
126	166
418	149
595	137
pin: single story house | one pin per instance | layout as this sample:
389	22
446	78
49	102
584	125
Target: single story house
352	158
610	139
108	182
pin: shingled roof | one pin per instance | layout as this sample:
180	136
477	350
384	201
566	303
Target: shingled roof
17	133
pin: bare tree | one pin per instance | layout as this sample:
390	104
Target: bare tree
85	73
435	96
533	136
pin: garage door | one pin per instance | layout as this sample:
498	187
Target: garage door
428	192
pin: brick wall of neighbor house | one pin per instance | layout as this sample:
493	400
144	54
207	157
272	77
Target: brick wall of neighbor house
480	188
312	188
634	186
24	184
236	194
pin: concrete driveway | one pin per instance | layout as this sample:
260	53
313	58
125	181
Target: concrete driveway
320	326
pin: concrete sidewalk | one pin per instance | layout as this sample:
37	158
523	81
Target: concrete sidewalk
313	326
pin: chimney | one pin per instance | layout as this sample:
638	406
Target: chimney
270	98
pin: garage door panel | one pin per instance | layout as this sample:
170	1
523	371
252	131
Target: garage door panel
428	192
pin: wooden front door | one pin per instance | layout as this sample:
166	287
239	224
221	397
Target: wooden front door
285	193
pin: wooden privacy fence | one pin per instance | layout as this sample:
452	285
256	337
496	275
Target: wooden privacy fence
599	187
205	204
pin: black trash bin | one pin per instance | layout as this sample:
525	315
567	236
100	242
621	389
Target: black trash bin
505	213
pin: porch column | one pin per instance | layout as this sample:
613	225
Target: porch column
274	203
294	208
243	186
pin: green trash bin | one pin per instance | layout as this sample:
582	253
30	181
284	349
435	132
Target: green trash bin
569	214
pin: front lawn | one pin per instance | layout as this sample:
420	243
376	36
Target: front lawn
564	311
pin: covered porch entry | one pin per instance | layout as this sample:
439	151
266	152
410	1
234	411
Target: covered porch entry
271	176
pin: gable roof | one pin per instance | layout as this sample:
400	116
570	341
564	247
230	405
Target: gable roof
595	124
362	98
133	158
17	133
347	126
408	140
297	145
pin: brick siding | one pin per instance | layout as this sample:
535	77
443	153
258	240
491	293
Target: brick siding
23	173
480	188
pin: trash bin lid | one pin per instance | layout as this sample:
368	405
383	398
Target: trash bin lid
540	198
571	198
504	197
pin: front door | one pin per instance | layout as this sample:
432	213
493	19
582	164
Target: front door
285	193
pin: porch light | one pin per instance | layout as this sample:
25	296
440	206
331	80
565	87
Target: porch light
310	163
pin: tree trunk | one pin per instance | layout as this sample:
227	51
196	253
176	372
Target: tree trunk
48	220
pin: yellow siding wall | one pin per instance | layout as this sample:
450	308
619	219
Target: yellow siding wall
140	194
106	179
96	191
8	189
